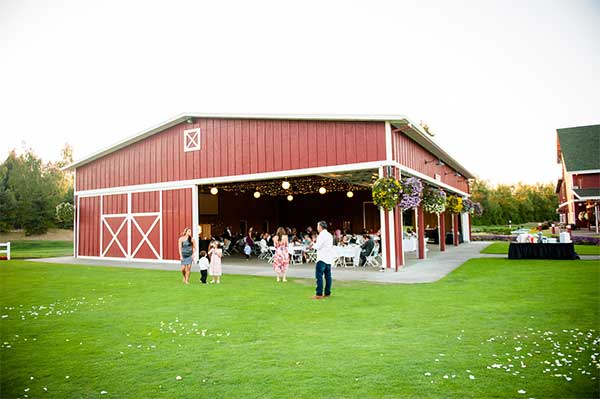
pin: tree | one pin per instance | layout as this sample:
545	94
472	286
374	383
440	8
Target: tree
64	214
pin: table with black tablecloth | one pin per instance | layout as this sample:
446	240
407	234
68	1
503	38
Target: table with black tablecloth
542	251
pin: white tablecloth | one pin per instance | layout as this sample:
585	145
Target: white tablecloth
409	244
350	251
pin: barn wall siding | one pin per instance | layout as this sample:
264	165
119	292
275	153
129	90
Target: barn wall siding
177	215
410	154
89	226
236	147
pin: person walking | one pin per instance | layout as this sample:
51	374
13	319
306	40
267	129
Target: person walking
325	257
281	259
187	250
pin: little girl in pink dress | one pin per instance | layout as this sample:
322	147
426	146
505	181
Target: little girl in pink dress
215	254
281	259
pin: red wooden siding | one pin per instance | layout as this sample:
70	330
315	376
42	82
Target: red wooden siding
410	154
115	230
177	215
145	202
114	204
235	147
590	180
89	226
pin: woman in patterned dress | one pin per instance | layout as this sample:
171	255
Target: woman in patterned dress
281	260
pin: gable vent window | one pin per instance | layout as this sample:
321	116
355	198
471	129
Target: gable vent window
191	140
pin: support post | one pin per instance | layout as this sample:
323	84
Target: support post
442	231
421	231
455	228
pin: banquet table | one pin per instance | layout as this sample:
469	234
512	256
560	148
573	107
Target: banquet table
350	251
542	251
409	244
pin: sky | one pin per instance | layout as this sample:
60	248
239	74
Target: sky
492	79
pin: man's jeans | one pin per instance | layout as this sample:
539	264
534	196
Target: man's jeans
320	269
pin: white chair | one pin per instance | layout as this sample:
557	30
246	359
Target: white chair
311	256
264	249
226	247
373	258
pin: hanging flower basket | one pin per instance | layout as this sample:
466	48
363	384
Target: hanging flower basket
386	193
454	204
468	206
477	209
411	193
434	200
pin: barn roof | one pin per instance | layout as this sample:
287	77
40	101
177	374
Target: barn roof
411	129
580	147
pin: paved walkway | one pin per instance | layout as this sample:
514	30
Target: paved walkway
436	266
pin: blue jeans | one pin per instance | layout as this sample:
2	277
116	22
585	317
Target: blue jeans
320	269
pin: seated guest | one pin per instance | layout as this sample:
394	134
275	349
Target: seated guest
337	237
344	241
306	240
365	249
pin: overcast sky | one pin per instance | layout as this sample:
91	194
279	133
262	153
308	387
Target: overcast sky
493	79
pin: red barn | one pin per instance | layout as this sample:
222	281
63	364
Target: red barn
134	198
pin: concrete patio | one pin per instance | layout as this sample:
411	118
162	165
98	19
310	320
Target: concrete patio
436	266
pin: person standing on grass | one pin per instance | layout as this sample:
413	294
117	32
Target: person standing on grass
203	263
215	254
281	259
187	250
325	257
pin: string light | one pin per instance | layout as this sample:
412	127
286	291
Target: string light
298	186
290	197
256	194
214	191
322	190
350	194
285	185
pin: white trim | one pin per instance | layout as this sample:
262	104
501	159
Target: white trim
191	139
465	227
419	237
178	184
382	249
392	238
129	226
195	217
160	206
145	236
78	232
388	141
583	172
401	235
429	179
115	236
132	260
101	226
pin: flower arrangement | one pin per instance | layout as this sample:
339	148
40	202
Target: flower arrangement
434	200
454	204
386	193
468	206
477	209
411	193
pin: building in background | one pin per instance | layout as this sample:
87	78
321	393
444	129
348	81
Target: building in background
209	171
578	152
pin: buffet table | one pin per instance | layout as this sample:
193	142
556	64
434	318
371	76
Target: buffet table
542	251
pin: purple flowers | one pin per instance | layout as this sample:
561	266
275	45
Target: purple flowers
411	193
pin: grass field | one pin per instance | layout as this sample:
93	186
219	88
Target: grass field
79	331
501	248
22	249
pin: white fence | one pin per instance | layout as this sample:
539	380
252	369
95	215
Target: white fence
5	251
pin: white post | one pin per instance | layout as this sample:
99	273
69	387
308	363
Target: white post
8	250
195	229
465	227
383	239
596	211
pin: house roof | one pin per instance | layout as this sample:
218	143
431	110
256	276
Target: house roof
401	122
587	193
580	147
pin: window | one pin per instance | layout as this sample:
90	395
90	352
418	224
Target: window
191	140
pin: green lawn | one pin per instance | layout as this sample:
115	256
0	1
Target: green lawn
22	249
501	248
132	332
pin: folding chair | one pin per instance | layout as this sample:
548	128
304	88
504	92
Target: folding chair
373	258
226	248
296	256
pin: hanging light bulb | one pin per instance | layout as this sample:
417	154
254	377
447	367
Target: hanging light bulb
256	194
322	190
285	185
214	191
350	194
290	197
